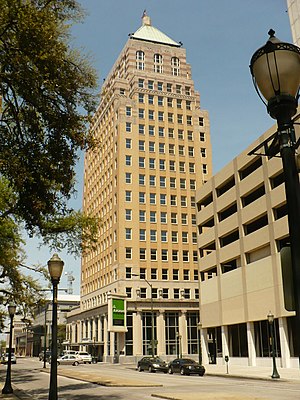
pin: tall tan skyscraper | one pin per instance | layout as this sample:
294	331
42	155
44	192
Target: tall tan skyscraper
294	15
139	288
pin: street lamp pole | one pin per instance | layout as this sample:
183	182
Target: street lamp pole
45	337
55	266
275	374
199	328
7	389
275	69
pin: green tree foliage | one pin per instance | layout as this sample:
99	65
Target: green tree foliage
47	90
18	283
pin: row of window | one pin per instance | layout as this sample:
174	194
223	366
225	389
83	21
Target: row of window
158	64
171	148
161	132
150	84
163	237
162	181
162	164
164	256
163	217
160	101
162	199
164	293
165	274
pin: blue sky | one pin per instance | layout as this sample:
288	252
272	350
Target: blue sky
220	37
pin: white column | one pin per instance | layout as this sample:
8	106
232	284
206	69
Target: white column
161	337
105	339
224	338
183	332
137	334
251	344
284	343
112	343
204	346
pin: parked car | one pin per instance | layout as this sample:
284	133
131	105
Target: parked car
85	356
69	359
4	358
48	355
152	364
186	366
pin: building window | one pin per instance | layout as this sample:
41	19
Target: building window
185	255
164	274
128	143
170	117
151	130
142	254
186	274
163	199
160	115
192	168
191	151
183	201
140	58
175	274
152	163
153	216
161	148
153	235
143	293
141	113
175	64
142	162
169	87
151	115
202	136
176	293
153	273
152	198
150	99
171	133
180	118
182	166
128	160
150	84
142	235
184	219
172	165
142	215
188	105
142	198
141	83
170	102
158	63
128	232
129	292
175	255
180	134
152	180
189	120
152	147
174	236
201	121
173	218
142	273
128	126
161	131
160	86
141	98
164	236
128	195
128	111
141	145
153	254
204	168
185	237
128	177
178	89
162	181
190	135
163	217
182	183
160	101
164	255
179	103
192	184
128	256
128	214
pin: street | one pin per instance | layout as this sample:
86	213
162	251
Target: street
28	376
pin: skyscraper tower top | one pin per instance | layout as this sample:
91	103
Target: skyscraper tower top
149	33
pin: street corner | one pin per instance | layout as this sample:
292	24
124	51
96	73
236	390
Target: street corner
206	396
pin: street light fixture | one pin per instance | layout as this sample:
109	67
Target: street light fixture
7	389
152	316
275	69
275	374
55	267
199	327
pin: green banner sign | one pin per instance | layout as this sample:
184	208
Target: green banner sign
118	312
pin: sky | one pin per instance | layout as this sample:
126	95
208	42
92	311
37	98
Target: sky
219	36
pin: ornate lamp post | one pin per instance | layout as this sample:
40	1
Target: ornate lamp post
275	374
275	69
7	387
55	267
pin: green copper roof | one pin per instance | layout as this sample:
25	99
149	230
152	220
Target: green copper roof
149	33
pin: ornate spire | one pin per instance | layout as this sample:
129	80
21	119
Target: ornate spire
146	19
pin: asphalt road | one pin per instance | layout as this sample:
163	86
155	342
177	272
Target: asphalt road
28	375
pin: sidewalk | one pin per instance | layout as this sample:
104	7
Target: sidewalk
107	379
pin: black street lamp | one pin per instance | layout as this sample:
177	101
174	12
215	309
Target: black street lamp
275	374
199	328
275	69
55	267
7	387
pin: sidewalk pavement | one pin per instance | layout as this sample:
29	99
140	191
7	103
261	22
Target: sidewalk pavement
107	379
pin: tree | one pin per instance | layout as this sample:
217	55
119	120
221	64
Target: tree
47	90
15	284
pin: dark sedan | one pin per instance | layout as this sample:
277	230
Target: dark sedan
152	364
186	366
